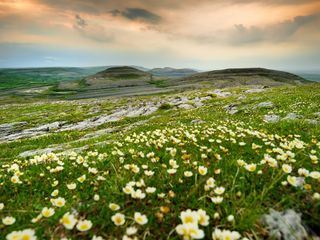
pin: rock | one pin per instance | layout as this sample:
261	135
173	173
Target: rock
197	121
284	225
185	106
39	151
33	132
255	90
272	118
8	128
220	93
312	121
265	105
231	109
241	97
291	116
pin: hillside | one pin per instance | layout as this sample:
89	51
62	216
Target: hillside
244	76
11	78
75	83
172	72
234	158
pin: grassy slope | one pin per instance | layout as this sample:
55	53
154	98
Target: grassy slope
259	192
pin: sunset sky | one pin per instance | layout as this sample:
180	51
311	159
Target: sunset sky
202	34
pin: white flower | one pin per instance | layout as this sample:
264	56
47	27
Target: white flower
251	167
203	218
189	216
114	206
190	231
84	225
118	219
68	220
219	190
131	231
217	200
96	197
230	218
188	174
8	220
27	234
315	175
58	202
140	219
202	170
71	186
82	178
225	235
150	189
286	168
47	212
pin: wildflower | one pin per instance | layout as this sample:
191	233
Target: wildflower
189	216
286	168
15	179
217	200
118	219
82	178
84	225
203	218
219	190
97	238
114	206
190	231
37	218
251	167
58	202
1	206
68	220
150	189
47	212
241	162
202	170
230	218
292	180
27	234
171	171
71	186
8	220
140	219
316	196
96	197
55	193
188	173
225	234
315	175
131	231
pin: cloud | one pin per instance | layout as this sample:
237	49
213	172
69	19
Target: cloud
271	33
137	14
80	21
241	34
92	31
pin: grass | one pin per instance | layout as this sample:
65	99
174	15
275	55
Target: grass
168	140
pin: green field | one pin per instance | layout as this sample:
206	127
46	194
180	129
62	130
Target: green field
228	169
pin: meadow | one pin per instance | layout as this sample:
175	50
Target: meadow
179	173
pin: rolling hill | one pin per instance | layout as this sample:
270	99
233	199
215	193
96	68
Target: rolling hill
244	76
172	72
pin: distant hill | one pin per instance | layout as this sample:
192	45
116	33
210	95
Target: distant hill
244	76
118	77
172	72
11	78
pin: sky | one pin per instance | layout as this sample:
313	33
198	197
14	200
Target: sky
199	34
